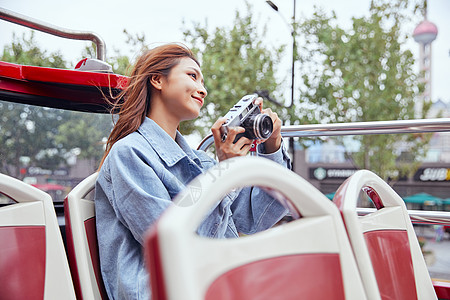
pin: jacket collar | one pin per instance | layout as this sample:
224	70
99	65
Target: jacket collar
169	150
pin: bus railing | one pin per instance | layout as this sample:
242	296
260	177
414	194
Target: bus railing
418	216
26	21
367	128
356	128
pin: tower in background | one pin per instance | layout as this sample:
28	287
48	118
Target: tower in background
424	34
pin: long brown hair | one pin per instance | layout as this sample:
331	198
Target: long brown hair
133	103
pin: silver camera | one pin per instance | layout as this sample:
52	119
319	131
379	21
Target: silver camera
248	115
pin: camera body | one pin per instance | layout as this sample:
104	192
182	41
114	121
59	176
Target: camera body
247	114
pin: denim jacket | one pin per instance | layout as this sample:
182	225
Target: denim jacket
141	175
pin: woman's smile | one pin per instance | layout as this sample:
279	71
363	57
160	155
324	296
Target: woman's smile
199	99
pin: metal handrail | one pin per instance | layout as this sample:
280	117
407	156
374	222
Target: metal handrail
418	216
366	128
23	20
356	128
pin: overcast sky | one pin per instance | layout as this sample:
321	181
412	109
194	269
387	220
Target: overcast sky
162	21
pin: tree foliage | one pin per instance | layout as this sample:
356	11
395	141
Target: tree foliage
361	74
25	51
85	132
43	137
21	135
235	61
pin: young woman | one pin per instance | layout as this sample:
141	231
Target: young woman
147	162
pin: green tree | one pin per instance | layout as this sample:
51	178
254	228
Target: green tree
235	62
22	136
86	133
362	74
25	51
122	63
27	131
37	136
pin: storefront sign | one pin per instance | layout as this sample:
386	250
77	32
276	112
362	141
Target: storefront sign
330	173
432	174
422	174
34	171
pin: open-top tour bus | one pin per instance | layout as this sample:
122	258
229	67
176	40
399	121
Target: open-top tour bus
331	250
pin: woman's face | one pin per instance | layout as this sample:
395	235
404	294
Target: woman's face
182	91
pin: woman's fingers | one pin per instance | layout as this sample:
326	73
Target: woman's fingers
241	141
259	101
275	120
215	129
226	148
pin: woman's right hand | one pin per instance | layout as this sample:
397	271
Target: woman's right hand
226	149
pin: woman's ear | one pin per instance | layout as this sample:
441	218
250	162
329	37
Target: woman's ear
156	81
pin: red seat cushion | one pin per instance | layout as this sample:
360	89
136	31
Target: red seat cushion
22	262
390	254
300	276
91	233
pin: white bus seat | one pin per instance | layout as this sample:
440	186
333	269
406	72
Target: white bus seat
309	258
82	244
384	242
33	262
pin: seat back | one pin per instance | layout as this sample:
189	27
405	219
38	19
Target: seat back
82	244
33	262
384	242
309	258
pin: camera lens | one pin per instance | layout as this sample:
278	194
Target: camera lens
262	126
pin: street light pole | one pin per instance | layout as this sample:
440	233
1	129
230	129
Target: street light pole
292	27
294	51
294	45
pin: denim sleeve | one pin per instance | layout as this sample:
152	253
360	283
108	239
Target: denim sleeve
280	156
139	194
255	210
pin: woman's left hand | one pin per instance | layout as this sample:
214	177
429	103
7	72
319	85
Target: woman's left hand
228	148
273	143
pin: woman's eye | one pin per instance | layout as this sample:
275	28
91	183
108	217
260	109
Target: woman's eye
193	75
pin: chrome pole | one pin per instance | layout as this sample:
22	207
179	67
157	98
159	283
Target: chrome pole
23	20
366	128
357	128
418	216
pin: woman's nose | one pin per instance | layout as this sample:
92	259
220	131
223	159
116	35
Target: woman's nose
202	91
